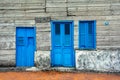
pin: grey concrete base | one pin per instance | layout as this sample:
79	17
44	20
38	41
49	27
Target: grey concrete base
103	60
7	69
32	69
67	69
42	59
42	62
100	60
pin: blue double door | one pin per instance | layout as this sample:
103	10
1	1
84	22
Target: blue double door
25	46
62	53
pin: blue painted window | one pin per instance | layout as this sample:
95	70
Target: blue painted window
57	29
87	34
67	29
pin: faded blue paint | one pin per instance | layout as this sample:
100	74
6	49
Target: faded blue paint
87	34
25	46
62	53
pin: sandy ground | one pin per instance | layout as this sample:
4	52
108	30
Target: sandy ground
52	75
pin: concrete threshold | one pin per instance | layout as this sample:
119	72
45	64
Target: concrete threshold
64	69
61	69
7	69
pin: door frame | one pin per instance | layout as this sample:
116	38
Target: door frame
17	27
72	37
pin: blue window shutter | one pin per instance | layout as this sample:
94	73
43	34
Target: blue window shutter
87	34
82	31
90	34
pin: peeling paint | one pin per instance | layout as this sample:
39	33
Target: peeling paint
42	59
104	60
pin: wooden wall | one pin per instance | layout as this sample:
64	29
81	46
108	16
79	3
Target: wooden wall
23	12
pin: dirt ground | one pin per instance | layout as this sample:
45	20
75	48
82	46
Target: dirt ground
52	75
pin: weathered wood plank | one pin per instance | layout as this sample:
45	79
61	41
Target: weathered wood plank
99	1
7	57
115	12
7	38
89	13
47	24
56	4
7	52
99	8
103	28
115	7
115	1
83	8
35	11
46	14
7	45
77	5
108	47
43	42
22	1
77	1
25	21
86	8
56	9
113	17
9	1
80	13
77	18
94	1
101	13
7	29
105	43
33	1
103	33
33	5
22	6
99	5
57	1
113	37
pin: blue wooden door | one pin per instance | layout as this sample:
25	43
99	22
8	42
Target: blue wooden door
25	46
62	44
